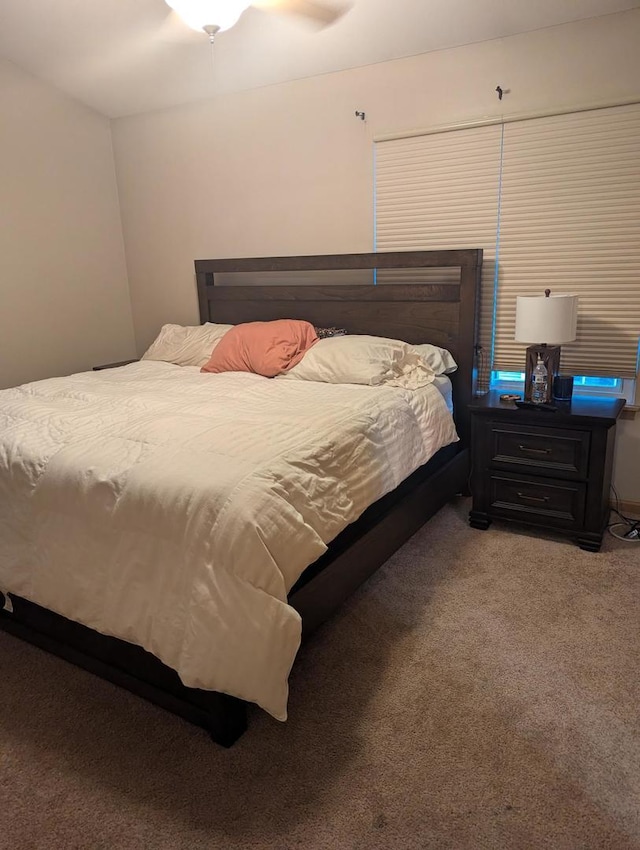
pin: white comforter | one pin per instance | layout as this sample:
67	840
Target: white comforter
175	509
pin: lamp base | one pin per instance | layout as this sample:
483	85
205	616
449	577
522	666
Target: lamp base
550	355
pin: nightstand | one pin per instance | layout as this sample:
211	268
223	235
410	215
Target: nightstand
114	365
546	469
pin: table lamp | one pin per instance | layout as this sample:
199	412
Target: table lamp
544	323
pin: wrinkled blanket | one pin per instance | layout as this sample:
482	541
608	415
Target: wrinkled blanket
175	510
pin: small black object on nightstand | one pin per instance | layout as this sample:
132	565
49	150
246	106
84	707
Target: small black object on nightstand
553	472
545	407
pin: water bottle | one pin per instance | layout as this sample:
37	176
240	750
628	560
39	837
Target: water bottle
539	383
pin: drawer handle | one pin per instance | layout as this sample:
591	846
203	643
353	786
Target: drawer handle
535	451
541	499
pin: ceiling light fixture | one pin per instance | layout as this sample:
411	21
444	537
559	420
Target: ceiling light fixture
212	16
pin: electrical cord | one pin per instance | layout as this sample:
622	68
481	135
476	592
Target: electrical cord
617	507
631	535
628	529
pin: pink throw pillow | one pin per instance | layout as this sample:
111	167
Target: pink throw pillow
267	348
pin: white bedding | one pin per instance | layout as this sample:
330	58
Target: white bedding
444	385
175	509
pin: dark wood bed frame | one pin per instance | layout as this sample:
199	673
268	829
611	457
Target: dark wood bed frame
441	313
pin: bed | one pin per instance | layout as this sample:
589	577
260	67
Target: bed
329	290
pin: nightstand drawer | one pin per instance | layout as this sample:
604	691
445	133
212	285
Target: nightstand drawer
559	503
549	451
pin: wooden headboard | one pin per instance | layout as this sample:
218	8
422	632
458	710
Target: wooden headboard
415	296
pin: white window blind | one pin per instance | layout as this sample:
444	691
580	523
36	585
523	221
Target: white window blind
570	222
440	191
568	219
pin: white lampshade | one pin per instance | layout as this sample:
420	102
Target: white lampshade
199	14
546	319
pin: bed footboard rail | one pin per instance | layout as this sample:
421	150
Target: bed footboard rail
126	665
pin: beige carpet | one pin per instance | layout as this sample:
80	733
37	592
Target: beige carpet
482	691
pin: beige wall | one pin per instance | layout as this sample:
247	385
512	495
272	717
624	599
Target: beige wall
64	298
288	169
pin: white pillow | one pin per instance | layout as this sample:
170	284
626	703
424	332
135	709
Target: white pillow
184	345
439	359
361	359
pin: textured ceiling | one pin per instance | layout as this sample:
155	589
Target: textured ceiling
128	56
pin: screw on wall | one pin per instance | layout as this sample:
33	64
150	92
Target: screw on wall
361	115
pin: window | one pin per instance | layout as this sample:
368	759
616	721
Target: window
582	384
441	190
570	222
610	384
555	203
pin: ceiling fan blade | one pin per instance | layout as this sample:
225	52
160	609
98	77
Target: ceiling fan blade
316	11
